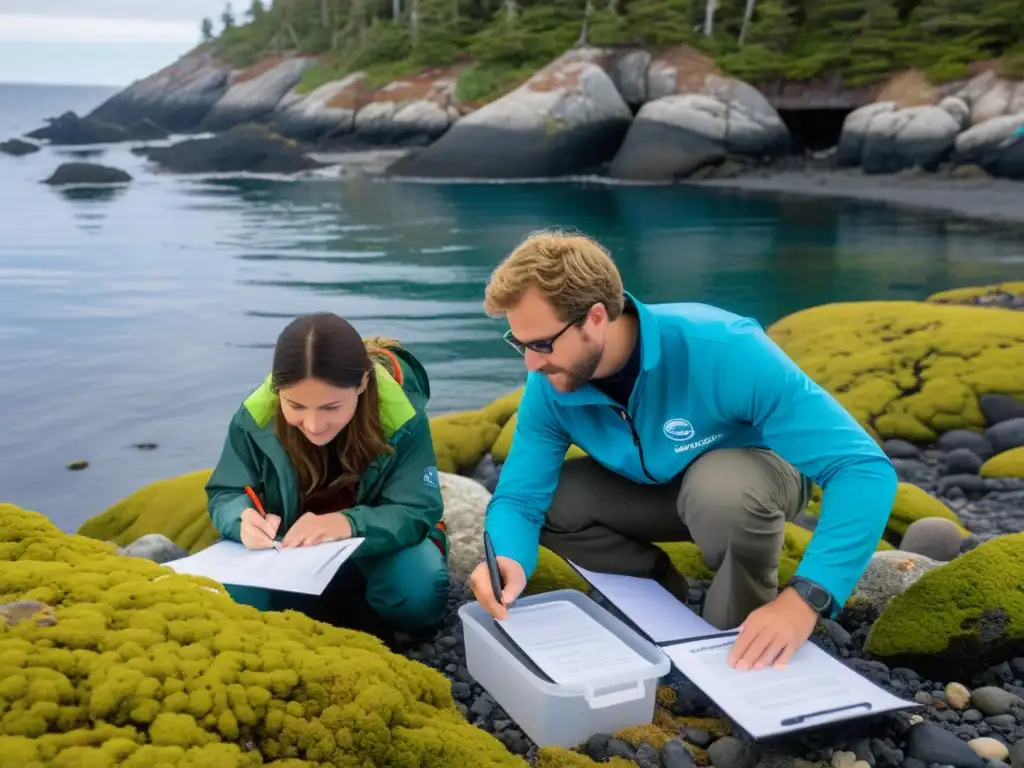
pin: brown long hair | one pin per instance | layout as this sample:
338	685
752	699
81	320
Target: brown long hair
326	347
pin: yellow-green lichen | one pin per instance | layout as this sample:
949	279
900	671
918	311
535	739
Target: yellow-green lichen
960	609
968	294
461	439
908	369
174	507
1006	464
911	503
145	667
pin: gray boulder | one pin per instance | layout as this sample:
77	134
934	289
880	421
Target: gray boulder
87	173
568	118
155	547
177	97
884	138
253	94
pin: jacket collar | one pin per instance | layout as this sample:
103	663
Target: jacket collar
650	356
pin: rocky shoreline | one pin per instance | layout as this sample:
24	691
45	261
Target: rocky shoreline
937	618
626	114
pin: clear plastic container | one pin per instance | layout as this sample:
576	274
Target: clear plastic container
550	714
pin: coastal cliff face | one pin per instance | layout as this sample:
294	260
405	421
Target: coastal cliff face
631	113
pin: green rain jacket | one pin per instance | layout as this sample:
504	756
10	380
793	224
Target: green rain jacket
398	500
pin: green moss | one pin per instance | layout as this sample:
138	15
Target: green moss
482	82
146	667
1006	464
908	369
175	507
914	503
964	611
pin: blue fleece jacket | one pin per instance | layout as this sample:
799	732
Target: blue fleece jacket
708	379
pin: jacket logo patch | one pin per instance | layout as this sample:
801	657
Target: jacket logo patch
679	430
430	477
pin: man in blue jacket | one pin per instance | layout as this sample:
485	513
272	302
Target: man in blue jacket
697	427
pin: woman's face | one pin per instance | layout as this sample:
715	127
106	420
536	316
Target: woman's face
320	410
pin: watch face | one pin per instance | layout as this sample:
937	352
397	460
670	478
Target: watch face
819	598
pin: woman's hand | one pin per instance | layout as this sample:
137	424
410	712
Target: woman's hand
313	529
258	532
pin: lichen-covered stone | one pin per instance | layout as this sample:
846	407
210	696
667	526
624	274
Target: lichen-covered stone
461	439
962	615
147	667
174	507
973	292
1006	464
908	369
912	503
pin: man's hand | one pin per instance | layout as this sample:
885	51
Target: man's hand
513	579
313	529
773	633
257	532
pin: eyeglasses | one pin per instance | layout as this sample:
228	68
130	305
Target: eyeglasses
542	346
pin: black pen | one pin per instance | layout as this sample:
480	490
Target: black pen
492	566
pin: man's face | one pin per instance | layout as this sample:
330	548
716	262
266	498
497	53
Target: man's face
568	357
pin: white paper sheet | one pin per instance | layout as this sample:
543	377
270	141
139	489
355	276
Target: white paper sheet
570	646
301	569
813	689
652	608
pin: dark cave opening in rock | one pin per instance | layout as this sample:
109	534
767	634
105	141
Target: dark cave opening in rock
814	130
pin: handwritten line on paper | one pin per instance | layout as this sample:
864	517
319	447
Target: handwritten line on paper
813	689
569	645
653	609
307	570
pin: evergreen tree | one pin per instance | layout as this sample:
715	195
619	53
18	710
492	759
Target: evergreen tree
946	35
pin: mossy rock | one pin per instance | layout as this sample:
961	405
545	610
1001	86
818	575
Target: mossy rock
553	572
913	503
143	667
970	293
959	617
908	369
1006	464
462	439
175	507
503	444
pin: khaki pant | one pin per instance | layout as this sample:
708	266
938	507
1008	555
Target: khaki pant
733	503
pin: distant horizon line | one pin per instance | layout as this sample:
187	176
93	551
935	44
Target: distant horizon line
32	84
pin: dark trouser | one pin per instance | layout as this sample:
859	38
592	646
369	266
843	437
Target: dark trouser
733	503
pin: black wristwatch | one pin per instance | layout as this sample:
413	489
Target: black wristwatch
819	598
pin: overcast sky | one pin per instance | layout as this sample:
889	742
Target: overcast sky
103	42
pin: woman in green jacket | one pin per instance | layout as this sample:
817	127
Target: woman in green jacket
336	444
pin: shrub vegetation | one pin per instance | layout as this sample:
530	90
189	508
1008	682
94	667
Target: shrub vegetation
499	43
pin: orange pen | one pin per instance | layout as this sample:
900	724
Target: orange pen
259	508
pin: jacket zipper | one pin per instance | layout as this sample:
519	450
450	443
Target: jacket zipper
636	440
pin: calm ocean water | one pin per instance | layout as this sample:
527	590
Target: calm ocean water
144	315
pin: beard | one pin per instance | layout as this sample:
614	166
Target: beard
582	371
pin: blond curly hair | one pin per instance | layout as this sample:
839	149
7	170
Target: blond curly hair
572	271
